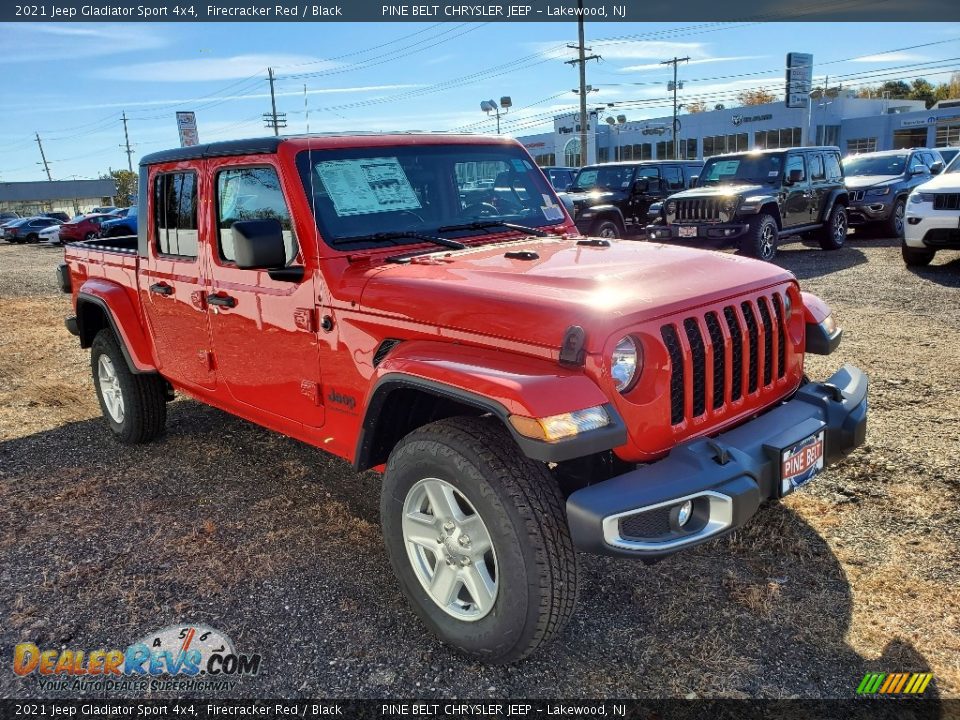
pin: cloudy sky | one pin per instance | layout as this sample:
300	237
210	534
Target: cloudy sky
71	82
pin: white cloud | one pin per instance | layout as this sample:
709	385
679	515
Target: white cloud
209	68
891	57
34	42
625	49
701	61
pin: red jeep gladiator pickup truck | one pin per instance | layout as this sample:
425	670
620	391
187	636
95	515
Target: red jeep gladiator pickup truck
422	305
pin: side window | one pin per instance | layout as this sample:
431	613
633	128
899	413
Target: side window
175	213
251	193
673	177
834	170
795	162
816	167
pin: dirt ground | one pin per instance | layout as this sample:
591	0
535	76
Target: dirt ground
277	545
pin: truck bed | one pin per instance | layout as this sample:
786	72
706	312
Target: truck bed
112	259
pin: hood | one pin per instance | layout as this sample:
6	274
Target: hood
602	289
857	182
594	197
947	182
724	191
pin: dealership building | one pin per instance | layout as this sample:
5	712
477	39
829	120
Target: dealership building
851	123
69	196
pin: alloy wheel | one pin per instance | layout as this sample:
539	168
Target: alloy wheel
110	388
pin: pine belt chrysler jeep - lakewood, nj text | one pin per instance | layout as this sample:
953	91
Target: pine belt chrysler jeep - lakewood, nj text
422	305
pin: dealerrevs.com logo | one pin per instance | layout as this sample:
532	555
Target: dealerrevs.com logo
177	658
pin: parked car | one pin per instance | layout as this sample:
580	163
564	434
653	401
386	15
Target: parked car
7	216
527	393
123	225
560	177
27	230
752	200
119	212
105	210
612	200
933	217
84	227
948	153
878	184
56	215
50	235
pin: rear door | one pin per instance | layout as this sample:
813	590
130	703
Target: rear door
265	333
172	279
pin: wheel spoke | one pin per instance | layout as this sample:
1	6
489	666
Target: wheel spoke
444	584
480	585
421	529
442	502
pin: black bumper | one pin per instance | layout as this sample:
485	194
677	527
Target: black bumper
866	213
726	478
711	235
942	238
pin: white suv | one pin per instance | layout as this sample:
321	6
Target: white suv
933	217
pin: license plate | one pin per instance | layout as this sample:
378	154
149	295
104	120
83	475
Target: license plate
687	231
800	462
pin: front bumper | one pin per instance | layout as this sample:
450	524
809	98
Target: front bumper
933	230
713	234
726	478
869	211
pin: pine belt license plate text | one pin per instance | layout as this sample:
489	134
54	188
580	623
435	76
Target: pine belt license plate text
800	462
687	231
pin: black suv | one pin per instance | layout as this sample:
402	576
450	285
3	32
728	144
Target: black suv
612	200
878	184
751	200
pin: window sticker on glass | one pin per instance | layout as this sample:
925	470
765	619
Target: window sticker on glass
368	185
552	212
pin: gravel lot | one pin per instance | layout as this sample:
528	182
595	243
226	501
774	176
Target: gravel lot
278	545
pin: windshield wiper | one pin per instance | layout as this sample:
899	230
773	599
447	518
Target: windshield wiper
486	224
400	235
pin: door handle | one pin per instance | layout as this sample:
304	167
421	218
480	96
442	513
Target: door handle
222	300
161	289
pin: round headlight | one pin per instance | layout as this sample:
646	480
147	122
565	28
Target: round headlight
787	305
670	207
729	204
625	363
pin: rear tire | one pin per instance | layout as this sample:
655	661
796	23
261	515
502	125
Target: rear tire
916	257
134	405
483	484
606	229
834	232
760	240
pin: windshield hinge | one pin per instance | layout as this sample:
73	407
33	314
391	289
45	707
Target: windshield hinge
571	351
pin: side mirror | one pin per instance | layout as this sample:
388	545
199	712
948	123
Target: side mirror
693	180
258	244
936	168
921	170
642	185
795	176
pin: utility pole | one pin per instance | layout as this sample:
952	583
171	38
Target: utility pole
274	119
676	61
126	138
46	165
582	61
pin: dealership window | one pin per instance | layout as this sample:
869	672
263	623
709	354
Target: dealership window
861	145
545	160
251	194
914	137
175	213
665	150
603	155
948	135
827	135
646	151
571	153
688	149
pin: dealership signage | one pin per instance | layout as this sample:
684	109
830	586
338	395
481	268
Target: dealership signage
931	120
799	79
741	119
187	125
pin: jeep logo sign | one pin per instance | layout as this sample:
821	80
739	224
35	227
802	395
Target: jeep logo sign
740	119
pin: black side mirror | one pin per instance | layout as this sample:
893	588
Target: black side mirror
936	168
641	186
258	244
795	176
693	180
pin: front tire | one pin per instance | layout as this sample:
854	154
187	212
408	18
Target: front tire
134	405
893	226
606	229
511	585
834	232
916	257
760	240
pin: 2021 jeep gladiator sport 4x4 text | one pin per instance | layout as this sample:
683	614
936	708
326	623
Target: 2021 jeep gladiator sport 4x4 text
527	392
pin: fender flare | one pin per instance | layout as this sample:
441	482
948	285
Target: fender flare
497	383
123	318
836	195
593	212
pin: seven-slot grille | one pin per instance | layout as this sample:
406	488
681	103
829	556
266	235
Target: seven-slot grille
946	201
756	355
700	209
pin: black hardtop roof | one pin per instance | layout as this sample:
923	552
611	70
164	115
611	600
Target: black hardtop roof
777	151
225	148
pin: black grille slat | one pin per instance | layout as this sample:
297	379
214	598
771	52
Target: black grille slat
781	336
946	201
767	340
736	340
672	343
719	360
754	334
699	356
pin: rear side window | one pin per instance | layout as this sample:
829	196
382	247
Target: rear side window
673	177
815	161
251	193
834	169
175	213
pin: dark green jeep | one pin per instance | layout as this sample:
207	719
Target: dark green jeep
752	200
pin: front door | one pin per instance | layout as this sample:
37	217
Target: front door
796	202
264	330
172	282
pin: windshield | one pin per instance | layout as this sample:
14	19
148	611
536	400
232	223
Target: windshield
874	165
753	169
954	165
603	178
359	192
